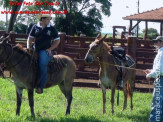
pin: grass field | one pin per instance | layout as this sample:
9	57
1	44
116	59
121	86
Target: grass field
86	106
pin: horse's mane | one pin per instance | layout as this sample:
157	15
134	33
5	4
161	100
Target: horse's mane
21	49
107	46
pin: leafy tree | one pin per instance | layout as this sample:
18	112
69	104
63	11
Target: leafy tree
14	16
2	25
14	8
83	16
6	6
152	33
20	28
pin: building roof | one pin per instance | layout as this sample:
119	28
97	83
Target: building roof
155	15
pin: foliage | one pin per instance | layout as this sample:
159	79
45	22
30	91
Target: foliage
5	4
79	24
20	28
86	106
84	16
2	25
152	33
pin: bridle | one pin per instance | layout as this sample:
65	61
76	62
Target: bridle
7	60
102	50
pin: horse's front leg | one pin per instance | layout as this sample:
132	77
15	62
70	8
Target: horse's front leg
19	99
125	96
112	98
131	94
104	98
31	101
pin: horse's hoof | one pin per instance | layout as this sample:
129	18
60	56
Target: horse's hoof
123	109
113	112
17	114
104	112
67	113
33	115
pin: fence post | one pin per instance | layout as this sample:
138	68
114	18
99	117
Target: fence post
82	45
132	45
62	42
82	41
13	37
2	33
131	49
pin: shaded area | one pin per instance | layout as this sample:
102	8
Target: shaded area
65	119
142	116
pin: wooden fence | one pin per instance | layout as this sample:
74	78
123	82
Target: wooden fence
76	47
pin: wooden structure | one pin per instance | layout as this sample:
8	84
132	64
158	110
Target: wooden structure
76	47
148	16
118	27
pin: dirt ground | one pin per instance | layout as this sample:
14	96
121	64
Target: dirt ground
138	85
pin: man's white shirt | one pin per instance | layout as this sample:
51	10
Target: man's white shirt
157	65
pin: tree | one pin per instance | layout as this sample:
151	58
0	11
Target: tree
13	16
6	6
84	16
20	28
14	8
152	33
30	19
2	25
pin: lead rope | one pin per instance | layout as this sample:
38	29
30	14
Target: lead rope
131	69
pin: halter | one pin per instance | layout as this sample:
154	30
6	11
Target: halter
101	51
3	65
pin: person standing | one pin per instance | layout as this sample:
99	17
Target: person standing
156	114
46	39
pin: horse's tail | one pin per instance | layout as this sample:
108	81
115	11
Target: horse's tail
118	98
128	90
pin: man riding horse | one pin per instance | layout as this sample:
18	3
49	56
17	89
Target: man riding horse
46	39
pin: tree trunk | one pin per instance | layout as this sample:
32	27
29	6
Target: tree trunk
69	16
13	16
64	5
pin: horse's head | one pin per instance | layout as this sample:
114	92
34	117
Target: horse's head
95	49
3	49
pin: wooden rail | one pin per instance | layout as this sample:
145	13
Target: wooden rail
76	47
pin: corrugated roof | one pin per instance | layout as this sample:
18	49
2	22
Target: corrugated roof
153	15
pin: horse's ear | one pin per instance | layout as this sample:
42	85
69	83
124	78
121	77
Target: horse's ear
103	38
98	36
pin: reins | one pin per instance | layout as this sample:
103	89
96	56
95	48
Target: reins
10	56
123	66
119	65
130	68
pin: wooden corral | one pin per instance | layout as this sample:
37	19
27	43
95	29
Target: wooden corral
76	47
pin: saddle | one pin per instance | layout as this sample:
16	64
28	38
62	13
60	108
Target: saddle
55	65
121	59
119	53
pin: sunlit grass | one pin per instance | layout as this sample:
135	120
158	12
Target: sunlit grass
86	106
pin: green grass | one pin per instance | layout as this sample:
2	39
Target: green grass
86	106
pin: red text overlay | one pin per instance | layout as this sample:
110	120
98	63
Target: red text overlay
36	3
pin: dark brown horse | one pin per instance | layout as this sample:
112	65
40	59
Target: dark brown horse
20	64
108	72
